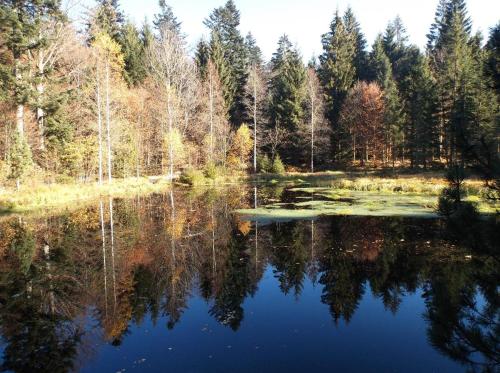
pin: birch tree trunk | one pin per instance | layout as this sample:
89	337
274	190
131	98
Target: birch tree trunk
99	124
255	123
211	110
108	125
20	106
312	134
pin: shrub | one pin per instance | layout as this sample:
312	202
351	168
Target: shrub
192	177
263	163
19	158
211	171
278	167
65	179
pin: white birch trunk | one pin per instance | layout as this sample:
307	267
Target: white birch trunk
108	125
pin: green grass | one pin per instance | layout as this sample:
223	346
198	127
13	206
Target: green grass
355	193
63	196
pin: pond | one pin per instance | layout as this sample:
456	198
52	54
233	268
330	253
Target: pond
181	282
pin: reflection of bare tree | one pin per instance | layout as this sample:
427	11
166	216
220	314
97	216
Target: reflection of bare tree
103	235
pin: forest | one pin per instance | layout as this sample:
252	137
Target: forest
117	100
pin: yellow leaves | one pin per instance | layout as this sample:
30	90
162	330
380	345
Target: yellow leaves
244	227
175	226
85	218
7	234
241	147
172	142
108	50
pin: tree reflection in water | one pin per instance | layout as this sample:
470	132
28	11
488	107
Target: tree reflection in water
124	260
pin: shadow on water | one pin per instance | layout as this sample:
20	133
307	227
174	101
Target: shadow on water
72	282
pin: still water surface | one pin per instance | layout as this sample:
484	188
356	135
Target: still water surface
179	283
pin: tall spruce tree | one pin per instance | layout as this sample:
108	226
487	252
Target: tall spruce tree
166	18
224	22
422	124
223	68
337	74
254	52
394	42
202	57
466	105
287	90
493	58
107	18
21	24
393	112
360	60
451	57
133	54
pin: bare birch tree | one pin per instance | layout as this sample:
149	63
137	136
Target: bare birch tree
256	95
317	129
173	72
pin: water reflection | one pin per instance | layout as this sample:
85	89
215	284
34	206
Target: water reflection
67	281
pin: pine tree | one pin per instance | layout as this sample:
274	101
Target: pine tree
360	60
287	90
422	133
254	53
201	58
107	18
166	18
224	71
133	54
147	36
224	22
466	106
19	158
394	44
337	73
493	58
20	27
393	112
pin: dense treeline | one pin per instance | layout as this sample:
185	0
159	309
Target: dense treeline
116	100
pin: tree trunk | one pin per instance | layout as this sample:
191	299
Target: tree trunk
312	133
40	114
354	149
20	106
108	125
255	124
101	208
211	109
99	126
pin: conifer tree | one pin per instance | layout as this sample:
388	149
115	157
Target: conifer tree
107	18
223	68
493	58
287	90
360	60
166	18
20	26
337	73
393	109
133	54
394	43
452	63
201	58
422	132
224	22
254	53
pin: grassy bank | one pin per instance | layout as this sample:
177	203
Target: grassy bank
60	196
360	194
429	183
